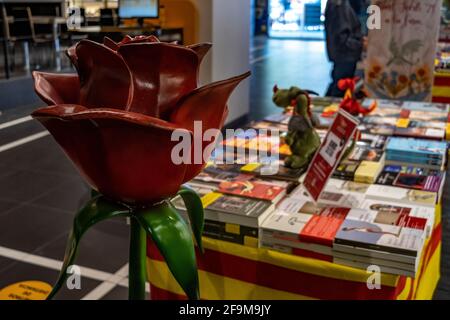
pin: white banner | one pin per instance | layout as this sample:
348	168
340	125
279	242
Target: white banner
401	54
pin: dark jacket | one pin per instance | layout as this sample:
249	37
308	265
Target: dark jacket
343	32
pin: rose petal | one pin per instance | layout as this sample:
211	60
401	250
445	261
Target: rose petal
105	80
207	104
108	42
71	53
201	49
125	156
162	74
57	88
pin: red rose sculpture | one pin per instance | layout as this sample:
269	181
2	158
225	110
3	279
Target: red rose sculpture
115	118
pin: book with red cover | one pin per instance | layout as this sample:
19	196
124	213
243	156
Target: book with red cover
322	228
242	186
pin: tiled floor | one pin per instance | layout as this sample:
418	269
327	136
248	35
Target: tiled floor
40	190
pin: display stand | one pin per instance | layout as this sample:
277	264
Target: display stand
230	271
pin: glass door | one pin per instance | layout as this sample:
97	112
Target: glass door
296	18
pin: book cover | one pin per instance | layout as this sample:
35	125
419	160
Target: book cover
333	196
428	124
419	182
215	175
382	211
244	186
387	178
228	232
322	228
407	169
417	147
428	116
420	132
347	186
414	159
374	141
305	222
383	104
230	228
346	170
235	205
412	163
368	171
387	121
227	208
402	195
426	106
382	237
365	154
377	129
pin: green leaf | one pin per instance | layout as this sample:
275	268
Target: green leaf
173	239
194	208
96	210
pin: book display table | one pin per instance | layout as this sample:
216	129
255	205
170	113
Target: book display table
390	222
231	271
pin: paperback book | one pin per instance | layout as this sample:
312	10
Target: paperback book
368	171
303	225
402	195
233	209
392	213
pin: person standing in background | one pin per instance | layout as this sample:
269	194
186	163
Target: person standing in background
345	41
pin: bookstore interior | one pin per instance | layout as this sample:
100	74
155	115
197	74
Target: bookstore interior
224	150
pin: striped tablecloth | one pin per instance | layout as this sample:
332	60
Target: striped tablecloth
441	88
229	271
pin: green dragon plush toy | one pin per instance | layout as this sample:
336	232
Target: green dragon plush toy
302	138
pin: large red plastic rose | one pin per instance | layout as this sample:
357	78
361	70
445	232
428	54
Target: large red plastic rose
115	118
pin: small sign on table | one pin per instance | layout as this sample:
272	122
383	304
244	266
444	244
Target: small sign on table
330	153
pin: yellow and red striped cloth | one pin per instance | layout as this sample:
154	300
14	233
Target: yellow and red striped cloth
441	88
229	271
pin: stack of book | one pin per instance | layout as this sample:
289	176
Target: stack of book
423	120
390	240
300	227
391	237
407	119
424	153
229	218
378	208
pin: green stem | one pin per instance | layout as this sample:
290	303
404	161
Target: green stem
137	274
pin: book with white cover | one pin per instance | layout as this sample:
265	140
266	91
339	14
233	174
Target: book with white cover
337	193
402	195
391	213
426	106
304	225
393	239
